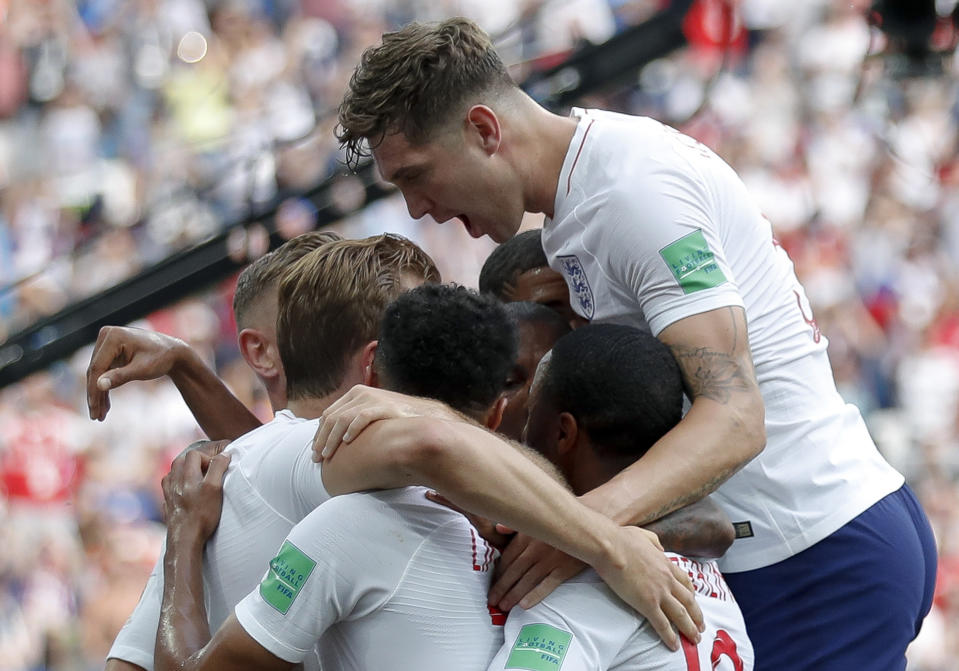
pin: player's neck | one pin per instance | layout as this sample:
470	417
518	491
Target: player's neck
595	472
543	141
310	407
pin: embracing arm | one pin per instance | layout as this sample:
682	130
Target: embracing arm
123	354
370	463
700	529
723	430
480	472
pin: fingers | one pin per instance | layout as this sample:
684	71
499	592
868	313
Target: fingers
217	469
334	427
687	599
536	574
119	376
105	352
682	576
681	616
323	442
436	497
661	624
123	354
543	589
510	568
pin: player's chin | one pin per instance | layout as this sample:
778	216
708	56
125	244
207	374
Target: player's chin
472	228
501	233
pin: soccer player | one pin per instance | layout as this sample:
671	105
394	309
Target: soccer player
518	270
648	225
123	354
700	529
330	305
389	579
538	328
602	396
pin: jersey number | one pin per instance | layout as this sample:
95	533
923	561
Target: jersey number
723	646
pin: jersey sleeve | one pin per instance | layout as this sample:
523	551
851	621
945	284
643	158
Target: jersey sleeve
288	477
307	480
664	248
136	641
323	573
579	627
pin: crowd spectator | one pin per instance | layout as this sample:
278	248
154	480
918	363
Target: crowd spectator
130	130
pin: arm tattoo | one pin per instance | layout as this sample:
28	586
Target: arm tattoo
708	488
713	374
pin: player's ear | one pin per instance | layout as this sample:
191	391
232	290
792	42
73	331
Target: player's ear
370	378
483	124
495	416
568	433
256	350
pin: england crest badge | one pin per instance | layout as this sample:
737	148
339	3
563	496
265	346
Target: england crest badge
578	284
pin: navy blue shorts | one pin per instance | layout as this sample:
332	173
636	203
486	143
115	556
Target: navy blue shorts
851	602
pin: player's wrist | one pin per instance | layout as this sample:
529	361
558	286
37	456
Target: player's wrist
608	556
185	531
183	361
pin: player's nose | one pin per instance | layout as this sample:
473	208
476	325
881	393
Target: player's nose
417	205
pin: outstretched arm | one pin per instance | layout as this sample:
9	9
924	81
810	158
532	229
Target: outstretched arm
123	354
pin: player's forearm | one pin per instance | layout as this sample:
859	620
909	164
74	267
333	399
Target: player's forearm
700	529
183	630
704	450
219	413
480	472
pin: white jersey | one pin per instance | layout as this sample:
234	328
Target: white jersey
584	626
271	484
651	225
384	580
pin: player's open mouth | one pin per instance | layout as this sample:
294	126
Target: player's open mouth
469	227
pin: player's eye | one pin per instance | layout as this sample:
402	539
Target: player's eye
515	380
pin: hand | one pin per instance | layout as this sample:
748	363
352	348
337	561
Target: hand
643	577
193	498
343	421
494	534
528	571
122	354
207	449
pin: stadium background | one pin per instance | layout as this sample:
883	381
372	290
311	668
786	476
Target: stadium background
191	135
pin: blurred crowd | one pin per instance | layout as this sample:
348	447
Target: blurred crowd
130	129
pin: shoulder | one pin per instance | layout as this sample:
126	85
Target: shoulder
367	513
284	433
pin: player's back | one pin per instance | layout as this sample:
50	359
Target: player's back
384	580
584	626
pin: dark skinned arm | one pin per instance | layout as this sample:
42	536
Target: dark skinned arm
123	354
193	500
700	529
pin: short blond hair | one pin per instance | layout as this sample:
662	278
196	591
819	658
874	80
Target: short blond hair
262	275
331	302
